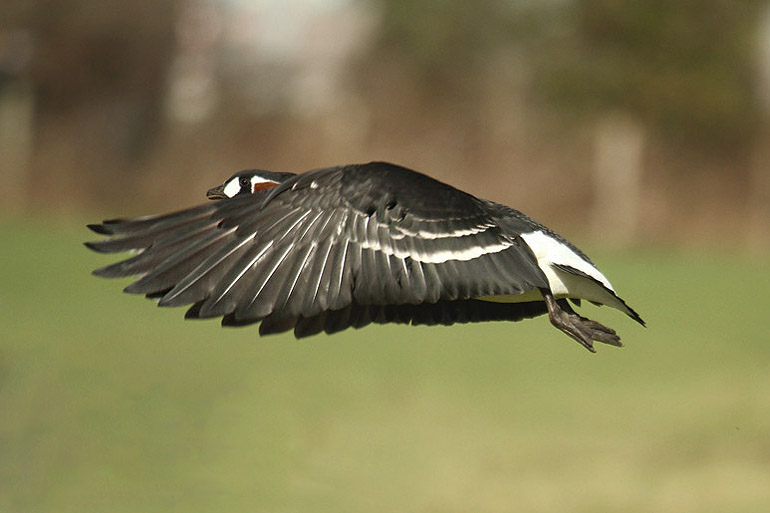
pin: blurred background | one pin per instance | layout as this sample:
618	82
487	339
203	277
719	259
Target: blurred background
639	120
638	128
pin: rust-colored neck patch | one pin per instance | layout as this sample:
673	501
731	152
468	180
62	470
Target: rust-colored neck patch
260	186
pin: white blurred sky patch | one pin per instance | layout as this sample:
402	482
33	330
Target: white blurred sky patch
278	55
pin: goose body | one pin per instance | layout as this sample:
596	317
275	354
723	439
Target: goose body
351	245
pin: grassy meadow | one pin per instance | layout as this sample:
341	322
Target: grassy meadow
108	403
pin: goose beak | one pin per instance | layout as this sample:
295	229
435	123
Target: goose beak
216	193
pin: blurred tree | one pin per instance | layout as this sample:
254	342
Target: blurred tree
685	69
676	73
436	36
682	72
456	71
444	39
108	60
16	114
98	76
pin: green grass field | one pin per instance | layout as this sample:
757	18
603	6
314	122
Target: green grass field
108	403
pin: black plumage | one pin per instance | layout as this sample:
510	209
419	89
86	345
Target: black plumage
340	247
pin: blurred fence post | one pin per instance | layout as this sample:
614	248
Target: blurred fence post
17	102
758	233
617	178
16	112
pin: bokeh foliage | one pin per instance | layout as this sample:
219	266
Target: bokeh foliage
686	70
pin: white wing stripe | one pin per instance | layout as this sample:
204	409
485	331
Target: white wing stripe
438	257
425	234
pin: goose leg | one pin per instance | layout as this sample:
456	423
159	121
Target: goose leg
585	331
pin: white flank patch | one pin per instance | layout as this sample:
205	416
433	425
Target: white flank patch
549	252
232	187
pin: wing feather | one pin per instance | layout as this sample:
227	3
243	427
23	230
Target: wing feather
326	250
174	269
157	254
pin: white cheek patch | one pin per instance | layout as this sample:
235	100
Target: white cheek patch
232	188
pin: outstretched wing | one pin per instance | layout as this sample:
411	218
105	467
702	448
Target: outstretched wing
329	248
